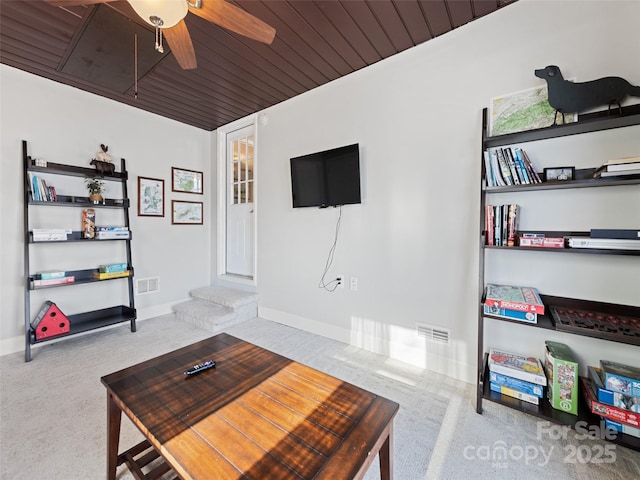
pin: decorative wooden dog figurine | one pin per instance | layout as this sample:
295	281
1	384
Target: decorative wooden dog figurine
570	97
103	162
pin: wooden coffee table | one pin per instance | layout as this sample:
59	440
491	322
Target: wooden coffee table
256	415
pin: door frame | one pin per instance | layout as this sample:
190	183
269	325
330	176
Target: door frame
221	235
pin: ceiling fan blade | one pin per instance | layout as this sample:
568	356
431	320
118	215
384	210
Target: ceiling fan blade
235	19
181	45
73	3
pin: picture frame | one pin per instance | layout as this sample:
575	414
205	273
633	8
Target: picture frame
186	181
150	197
559	174
524	110
186	213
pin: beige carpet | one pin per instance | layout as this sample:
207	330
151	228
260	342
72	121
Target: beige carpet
53	420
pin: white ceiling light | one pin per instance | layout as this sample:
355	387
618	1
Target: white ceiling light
160	13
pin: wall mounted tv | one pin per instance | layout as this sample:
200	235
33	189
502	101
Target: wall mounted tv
326	179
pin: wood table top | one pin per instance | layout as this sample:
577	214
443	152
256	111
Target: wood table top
256	415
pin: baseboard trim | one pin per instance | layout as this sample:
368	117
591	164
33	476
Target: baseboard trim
374	342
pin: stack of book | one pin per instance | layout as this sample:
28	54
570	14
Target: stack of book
112	233
613	393
513	303
501	225
619	167
540	240
515	375
509	166
52	277
112	270
608	238
50	234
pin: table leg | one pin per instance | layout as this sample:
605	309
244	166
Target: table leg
114	419
386	457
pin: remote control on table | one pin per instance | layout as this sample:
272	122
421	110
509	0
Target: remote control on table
200	367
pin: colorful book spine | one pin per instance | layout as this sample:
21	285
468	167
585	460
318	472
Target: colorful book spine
510	392
519	385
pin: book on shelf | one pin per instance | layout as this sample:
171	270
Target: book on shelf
512	297
489	225
513	168
505	170
616	233
501	223
517	366
516	384
607	411
54	281
509	166
113	267
111	229
623	167
561	368
512	224
604	173
496	173
50	274
109	275
112	235
510	392
517	315
623	160
621	378
604	243
541	242
604	395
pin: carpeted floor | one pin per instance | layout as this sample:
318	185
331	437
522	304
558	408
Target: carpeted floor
53	411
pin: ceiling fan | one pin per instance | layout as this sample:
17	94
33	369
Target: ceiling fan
167	17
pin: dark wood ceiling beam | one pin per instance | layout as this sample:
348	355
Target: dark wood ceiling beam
388	16
368	23
301	58
437	15
307	33
323	16
460	11
414	21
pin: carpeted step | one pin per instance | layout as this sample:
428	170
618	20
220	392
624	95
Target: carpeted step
225	296
206	315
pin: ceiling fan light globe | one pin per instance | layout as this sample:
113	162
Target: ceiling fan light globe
170	12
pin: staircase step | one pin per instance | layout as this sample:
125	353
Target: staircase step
206	315
225	296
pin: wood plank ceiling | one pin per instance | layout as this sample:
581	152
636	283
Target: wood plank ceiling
317	41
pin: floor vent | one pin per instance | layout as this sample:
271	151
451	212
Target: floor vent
147	285
436	334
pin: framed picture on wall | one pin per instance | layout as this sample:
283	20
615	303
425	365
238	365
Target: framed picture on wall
186	181
186	213
150	197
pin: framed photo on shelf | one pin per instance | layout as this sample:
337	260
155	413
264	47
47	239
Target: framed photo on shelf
150	197
559	174
186	181
186	213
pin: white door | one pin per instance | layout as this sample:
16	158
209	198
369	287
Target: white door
240	198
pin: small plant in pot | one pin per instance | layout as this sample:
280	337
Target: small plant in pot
96	188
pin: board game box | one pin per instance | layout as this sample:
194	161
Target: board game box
526	299
616	399
621	378
520	385
562	377
517	366
518	315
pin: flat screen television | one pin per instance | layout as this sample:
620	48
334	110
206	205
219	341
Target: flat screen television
326	179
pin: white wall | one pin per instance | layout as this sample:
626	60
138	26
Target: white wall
65	125
413	241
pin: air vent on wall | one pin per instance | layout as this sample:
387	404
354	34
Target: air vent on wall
435	334
147	285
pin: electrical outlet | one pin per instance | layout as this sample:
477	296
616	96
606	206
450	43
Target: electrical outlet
354	283
340	280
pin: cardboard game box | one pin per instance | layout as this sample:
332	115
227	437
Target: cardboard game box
562	377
